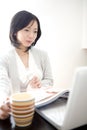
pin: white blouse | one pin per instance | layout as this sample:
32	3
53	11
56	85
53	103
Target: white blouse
26	74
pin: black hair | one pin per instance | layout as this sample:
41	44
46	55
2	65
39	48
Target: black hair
19	21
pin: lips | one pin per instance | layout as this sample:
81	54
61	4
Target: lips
29	42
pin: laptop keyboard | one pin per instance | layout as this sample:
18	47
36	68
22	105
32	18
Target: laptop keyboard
54	112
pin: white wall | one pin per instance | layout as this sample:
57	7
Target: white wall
63	30
84	40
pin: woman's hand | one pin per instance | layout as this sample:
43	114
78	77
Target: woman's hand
5	109
35	82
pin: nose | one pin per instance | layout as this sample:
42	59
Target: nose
30	34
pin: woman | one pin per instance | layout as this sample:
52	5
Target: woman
24	66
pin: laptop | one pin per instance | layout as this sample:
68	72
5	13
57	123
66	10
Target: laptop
72	113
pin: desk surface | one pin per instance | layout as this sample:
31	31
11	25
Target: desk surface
38	124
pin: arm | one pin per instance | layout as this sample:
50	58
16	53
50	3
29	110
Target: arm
4	91
47	79
4	84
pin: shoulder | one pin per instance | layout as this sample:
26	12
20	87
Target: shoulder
6	56
38	52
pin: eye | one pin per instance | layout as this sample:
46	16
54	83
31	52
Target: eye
35	31
26	30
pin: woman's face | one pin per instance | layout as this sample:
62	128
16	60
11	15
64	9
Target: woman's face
28	34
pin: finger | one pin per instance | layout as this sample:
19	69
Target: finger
3	114
35	83
8	102
5	108
38	83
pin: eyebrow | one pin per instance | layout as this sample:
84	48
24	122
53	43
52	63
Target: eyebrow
30	26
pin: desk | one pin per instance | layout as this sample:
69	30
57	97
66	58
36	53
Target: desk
38	124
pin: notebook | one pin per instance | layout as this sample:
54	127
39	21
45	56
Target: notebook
71	113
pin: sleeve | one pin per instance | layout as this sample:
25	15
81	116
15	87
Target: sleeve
47	71
5	83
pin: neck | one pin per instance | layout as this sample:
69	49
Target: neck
23	56
21	52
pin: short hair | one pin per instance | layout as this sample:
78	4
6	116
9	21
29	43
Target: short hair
19	21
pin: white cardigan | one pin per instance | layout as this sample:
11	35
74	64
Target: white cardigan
9	77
